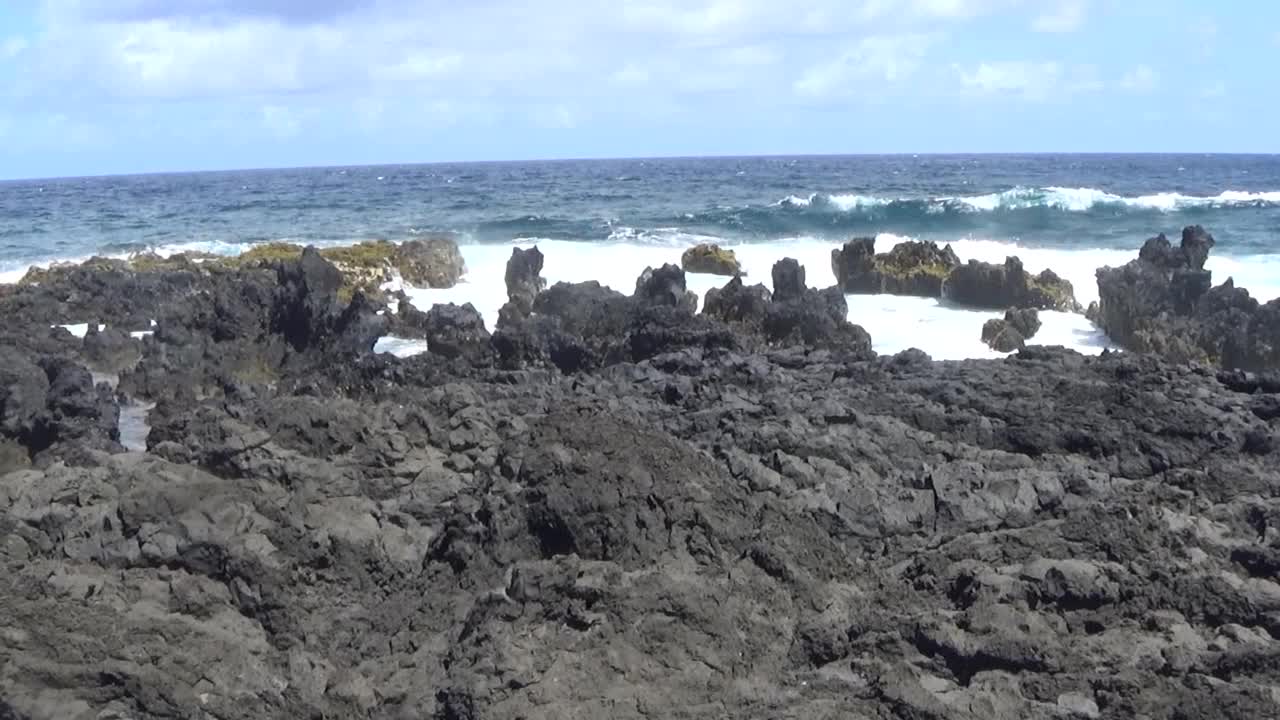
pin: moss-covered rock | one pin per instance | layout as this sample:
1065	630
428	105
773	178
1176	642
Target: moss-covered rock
910	268
38	275
433	262
430	263
709	259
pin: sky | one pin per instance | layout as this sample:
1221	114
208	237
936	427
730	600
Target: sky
93	87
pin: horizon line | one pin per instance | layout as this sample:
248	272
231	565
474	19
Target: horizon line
602	158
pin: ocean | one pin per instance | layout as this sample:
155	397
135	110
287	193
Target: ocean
607	220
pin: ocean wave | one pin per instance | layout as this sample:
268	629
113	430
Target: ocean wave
1022	198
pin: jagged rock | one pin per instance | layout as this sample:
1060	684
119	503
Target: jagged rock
737	303
909	268
665	287
985	285
788	280
1164	303
639	512
524	281
710	259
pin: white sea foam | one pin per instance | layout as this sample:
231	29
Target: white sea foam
1079	199
79	329
895	323
400	347
846	203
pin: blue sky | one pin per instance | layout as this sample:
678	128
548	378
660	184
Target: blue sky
116	86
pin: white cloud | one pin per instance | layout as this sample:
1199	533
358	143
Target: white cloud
1066	16
1140	79
10	47
1214	91
630	75
1034	81
281	121
889	58
556	117
1012	78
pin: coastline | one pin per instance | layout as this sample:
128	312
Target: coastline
616	503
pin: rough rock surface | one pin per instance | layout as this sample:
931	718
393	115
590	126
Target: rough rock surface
697	523
986	285
1164	303
909	268
710	259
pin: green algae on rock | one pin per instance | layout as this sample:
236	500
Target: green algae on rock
910	268
710	259
434	262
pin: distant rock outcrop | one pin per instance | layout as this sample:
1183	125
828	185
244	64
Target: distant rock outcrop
910	268
987	285
710	259
1164	303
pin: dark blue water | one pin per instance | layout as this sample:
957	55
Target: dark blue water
1058	201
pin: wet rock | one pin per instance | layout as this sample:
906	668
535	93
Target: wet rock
909	268
1011	332
710	259
1002	336
986	285
1025	320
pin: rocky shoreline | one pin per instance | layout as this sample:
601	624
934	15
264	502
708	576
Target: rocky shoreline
618	505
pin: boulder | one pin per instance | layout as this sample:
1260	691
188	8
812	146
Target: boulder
1025	320
910	268
986	285
454	331
709	259
1164	302
1002	336
435	262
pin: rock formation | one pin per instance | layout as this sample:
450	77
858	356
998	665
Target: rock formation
637	512
985	285
909	268
1164	303
710	259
